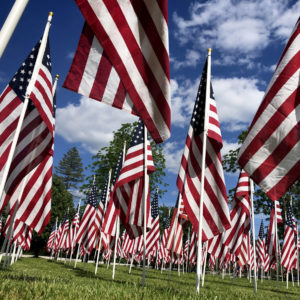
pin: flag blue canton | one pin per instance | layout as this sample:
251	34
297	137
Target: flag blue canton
21	79
93	196
154	206
138	134
66	217
167	223
104	191
118	167
289	218
261	230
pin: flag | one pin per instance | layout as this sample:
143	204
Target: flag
270	152
289	253
36	136
278	212
84	236
260	245
51	239
216	217
193	248
64	231
179	219
240	215
129	188
243	256
152	236
110	217
122	59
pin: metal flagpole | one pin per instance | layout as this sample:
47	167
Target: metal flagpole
204	266
276	249
10	23
117	224
13	254
145	203
200	218
253	234
54	239
75	234
25	104
297	254
188	250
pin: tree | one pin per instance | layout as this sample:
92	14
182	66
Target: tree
262	203
70	169
107	157
61	200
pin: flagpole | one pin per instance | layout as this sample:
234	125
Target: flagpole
276	248
75	233
54	238
187	255
145	203
117	224
204	266
297	254
253	234
25	104
200	225
10	24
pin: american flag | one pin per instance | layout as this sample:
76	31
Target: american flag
216	217
243	256
57	239
153	236
84	235
212	262
36	136
240	215
129	189
193	248
71	241
51	240
260	246
186	249
270	151
64	231
122	59
0	225
110	217
289	253
272	235
175	234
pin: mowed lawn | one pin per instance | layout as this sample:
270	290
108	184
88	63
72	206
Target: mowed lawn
32	278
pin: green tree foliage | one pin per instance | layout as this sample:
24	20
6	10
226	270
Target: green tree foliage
61	200
70	169
107	158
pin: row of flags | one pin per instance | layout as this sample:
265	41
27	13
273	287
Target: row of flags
122	59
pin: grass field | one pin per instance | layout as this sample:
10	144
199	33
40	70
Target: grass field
32	278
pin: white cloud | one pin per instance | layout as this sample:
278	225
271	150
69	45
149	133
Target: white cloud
237	101
192	58
236	27
173	153
227	146
90	123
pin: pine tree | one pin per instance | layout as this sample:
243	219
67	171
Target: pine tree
70	169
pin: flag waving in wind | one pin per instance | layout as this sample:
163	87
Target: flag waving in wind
122	59
129	188
270	152
216	217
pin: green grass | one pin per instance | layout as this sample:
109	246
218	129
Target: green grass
31	278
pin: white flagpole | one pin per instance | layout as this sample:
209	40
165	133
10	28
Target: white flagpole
54	239
188	250
75	234
11	22
297	254
204	266
105	205
25	104
253	235
145	203
276	248
13	254
117	224
199	250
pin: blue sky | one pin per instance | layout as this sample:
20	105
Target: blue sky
246	37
